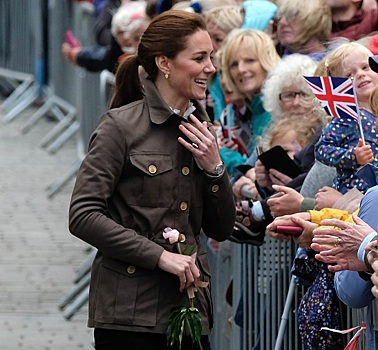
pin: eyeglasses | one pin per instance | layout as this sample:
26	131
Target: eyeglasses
291	95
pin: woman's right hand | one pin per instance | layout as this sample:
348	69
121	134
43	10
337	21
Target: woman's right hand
183	266
240	183
326	197
286	201
287	220
70	53
262	175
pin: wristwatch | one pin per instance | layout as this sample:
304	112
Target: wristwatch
218	172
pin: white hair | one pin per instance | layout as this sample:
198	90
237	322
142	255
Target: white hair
288	71
129	17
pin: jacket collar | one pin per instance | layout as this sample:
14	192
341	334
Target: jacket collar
159	111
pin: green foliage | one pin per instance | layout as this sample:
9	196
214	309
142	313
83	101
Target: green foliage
189	250
178	319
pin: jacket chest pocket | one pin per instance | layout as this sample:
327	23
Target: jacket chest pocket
152	180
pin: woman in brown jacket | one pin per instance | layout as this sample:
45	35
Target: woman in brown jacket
153	164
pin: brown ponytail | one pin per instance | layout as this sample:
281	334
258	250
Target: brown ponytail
128	87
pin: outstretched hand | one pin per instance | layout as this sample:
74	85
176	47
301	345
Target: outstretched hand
287	220
337	243
287	202
326	197
70	53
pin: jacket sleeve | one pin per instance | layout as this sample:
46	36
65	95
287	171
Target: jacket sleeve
357	297
95	183
336	146
219	208
93	58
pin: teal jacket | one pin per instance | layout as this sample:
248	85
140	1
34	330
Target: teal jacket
260	119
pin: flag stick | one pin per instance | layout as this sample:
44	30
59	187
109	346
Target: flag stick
358	113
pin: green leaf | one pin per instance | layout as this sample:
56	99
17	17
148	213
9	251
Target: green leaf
189	250
195	323
176	323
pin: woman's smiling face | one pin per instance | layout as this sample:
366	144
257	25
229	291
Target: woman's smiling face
246	71
191	69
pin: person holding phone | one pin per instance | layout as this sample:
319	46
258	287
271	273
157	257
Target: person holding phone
284	93
346	247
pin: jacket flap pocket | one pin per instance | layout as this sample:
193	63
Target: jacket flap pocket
152	164
124	268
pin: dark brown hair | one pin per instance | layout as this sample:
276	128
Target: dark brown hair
165	36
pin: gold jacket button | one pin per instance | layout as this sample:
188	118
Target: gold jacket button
130	269
152	169
215	188
183	206
185	170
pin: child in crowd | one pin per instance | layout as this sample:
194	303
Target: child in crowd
341	144
292	134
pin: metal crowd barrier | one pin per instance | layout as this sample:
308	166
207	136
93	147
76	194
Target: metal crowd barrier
77	98
78	295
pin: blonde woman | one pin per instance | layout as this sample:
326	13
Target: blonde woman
303	27
221	20
247	57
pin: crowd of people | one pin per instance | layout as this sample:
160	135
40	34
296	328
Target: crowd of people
203	89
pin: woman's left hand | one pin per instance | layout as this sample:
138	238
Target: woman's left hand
338	243
203	144
326	197
285	220
286	201
278	178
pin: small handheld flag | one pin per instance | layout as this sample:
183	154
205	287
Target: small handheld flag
336	96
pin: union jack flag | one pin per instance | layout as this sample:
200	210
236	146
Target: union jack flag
336	95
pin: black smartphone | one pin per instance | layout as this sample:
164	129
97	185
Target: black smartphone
277	158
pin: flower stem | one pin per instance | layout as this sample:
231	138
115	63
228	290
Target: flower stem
179	247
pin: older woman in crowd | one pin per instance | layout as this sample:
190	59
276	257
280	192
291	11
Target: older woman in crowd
128	25
303	27
283	92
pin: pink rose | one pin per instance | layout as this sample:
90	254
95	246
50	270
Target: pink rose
173	236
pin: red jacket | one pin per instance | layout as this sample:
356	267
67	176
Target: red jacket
360	25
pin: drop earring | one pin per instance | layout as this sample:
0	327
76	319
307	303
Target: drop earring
166	75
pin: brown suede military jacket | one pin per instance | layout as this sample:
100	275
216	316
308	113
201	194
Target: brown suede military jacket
136	180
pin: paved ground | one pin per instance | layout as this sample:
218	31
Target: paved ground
38	256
